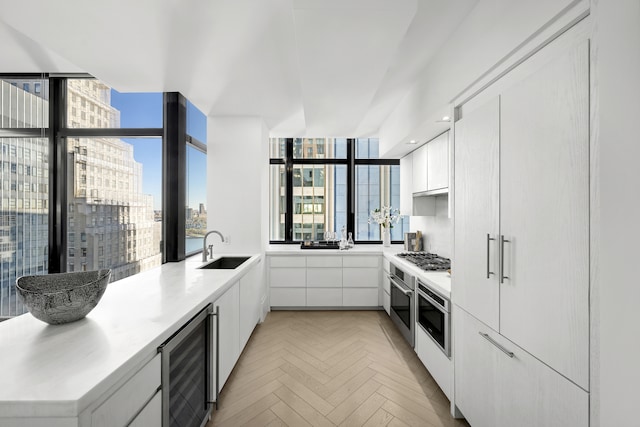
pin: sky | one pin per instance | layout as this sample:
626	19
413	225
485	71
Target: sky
144	110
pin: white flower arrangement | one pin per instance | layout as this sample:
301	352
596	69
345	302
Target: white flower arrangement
385	216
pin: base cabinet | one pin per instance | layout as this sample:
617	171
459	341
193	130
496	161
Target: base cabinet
228	306
498	384
151	415
129	400
324	281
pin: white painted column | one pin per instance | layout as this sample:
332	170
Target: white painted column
237	183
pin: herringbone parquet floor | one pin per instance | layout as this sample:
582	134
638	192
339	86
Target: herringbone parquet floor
329	368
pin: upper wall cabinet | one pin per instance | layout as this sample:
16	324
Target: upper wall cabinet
438	163
424	172
419	183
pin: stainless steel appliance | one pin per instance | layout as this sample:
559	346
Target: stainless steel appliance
426	261
187	381
433	313
402	306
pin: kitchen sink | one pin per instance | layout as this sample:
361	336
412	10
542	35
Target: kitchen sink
225	263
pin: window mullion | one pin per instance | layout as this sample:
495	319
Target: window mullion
288	216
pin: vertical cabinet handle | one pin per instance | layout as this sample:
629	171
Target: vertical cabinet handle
217	314
489	239
492	341
502	242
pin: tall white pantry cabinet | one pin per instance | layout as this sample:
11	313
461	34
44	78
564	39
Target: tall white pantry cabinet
521	255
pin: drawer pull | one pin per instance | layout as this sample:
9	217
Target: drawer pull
491	340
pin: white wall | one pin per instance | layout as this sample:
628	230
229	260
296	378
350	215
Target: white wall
617	72
437	231
493	29
237	180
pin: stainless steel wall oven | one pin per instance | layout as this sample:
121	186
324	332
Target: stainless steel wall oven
402	307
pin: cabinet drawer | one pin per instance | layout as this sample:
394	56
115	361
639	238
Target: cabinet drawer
360	297
324	297
123	405
287	277
287	261
151	415
288	297
360	277
324	261
360	261
386	265
328	277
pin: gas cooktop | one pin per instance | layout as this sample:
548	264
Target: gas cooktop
426	261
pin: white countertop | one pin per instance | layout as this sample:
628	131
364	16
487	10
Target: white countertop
295	249
439	281
59	370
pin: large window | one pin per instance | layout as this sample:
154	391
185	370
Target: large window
196	209
114	186
80	144
311	191
24	186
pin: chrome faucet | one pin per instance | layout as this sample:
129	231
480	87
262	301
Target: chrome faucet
206	251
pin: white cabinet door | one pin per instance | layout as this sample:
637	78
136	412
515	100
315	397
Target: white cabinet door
475	261
419	169
228	306
406	185
250	295
535	395
544	181
360	277
288	297
294	277
476	370
119	408
360	297
324	297
327	277
151	415
433	358
438	163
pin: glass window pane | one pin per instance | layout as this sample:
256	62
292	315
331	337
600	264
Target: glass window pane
367	148
277	148
24	103
24	210
93	104
278	205
196	213
196	123
320	201
319	148
115	189
377	186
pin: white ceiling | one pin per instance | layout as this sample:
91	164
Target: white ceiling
309	67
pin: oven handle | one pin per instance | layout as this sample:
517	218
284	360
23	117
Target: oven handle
433	302
402	289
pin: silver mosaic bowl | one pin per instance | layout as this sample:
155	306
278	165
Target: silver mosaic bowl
65	297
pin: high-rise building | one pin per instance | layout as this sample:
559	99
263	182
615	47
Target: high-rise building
24	190
111	223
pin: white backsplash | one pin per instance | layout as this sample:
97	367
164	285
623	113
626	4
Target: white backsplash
437	231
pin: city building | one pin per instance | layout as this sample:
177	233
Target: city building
111	222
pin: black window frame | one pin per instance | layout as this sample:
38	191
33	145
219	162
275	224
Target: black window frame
350	161
173	135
